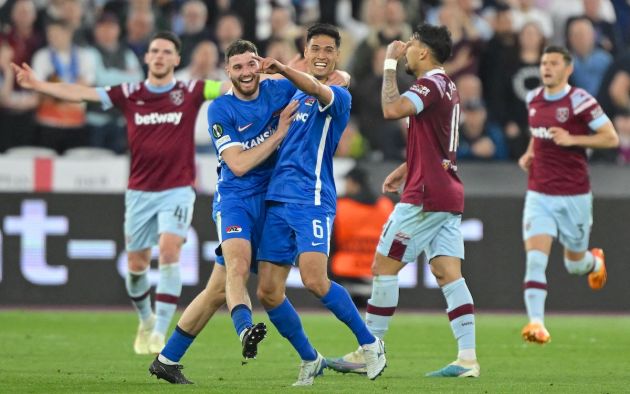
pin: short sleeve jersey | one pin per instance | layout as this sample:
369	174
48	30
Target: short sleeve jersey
558	170
160	129
304	171
432	179
246	124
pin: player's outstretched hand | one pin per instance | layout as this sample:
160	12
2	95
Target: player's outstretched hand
286	118
561	136
24	75
526	161
269	65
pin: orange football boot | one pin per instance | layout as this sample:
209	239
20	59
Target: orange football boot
536	332
597	279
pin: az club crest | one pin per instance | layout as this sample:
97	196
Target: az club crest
177	96
562	114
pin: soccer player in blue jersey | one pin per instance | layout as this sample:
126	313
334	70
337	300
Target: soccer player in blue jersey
246	125
301	206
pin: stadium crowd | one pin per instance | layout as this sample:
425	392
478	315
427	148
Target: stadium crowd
497	46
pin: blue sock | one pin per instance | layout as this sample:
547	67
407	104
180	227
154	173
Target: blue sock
242	318
288	324
338	301
177	345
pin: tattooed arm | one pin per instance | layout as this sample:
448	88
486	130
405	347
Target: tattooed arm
394	106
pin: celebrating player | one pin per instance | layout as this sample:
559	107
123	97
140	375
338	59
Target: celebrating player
301	207
246	126
160	115
428	217
563	121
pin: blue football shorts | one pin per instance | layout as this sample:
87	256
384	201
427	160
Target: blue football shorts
409	231
149	214
292	229
569	218
240	218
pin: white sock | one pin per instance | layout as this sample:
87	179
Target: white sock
139	291
382	305
166	296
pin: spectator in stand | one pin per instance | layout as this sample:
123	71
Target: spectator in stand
71	13
607	34
474	21
394	27
21	34
140	28
479	139
115	64
469	88
498	52
195	16
614	97
526	12
622	125
358	224
62	124
385	137
520	75
18	44
466	41
614	94
589	62
204	65
281	50
283	28
229	29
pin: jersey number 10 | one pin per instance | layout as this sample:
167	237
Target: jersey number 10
454	135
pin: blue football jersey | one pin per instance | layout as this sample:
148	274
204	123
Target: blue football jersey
304	172
235	122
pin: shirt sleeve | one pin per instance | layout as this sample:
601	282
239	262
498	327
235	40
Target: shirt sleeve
340	103
422	94
588	110
283	89
221	128
113	96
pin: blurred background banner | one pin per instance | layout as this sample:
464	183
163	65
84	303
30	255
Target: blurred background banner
67	248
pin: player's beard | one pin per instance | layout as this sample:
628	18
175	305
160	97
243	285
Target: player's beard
237	85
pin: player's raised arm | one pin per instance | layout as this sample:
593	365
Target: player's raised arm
394	106
26	78
241	161
305	82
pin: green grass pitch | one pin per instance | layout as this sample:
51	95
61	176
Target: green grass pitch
70	351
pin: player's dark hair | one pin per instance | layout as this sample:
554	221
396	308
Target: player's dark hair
325	29
437	38
169	36
566	55
239	47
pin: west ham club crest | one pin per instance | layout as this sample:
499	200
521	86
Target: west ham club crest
177	96
562	114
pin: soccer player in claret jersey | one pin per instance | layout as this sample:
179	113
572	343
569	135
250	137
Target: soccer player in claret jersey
428	217
160	114
301	206
563	121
